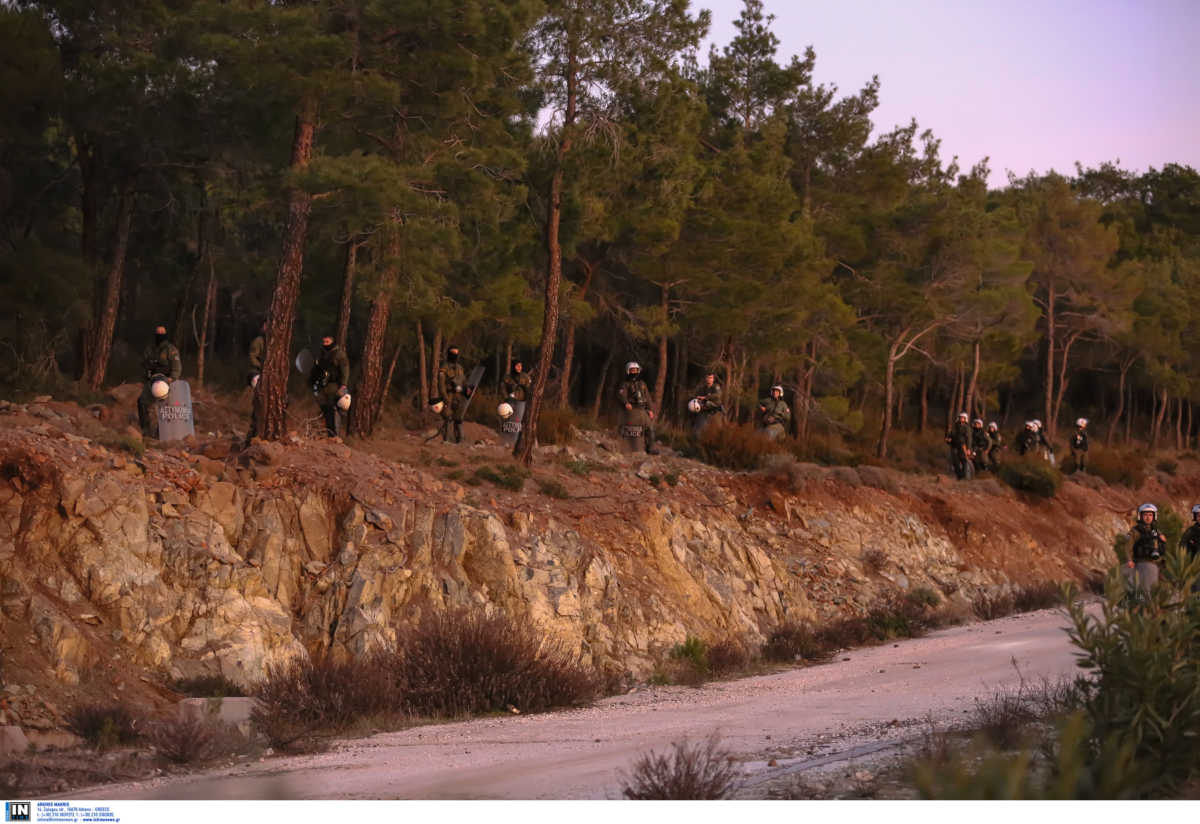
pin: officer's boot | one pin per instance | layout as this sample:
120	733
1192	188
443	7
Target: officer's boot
650	447
458	431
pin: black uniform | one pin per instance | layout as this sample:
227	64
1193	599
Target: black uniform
329	374
979	445
959	439
635	393
1079	448
996	444
1026	439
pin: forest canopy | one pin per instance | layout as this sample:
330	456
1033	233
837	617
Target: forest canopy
573	183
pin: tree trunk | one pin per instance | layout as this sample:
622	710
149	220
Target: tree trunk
89	208
1187	430
680	372
608	359
347	289
422	375
889	390
370	386
660	380
369	395
955	395
1159	417
1051	339
1063	380
508	360
973	385
270	401
210	298
924	424
435	362
387	382
564	391
1129	417
1179	425
523	451
105	322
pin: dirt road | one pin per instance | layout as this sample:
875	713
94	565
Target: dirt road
863	704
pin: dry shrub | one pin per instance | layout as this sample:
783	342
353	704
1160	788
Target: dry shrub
506	476
1117	467
791	642
845	475
1023	599
193	738
208	686
1004	718
303	697
557	425
464	662
1032	475
104	725
728	656
731	446
874	560
787	469
553	488
879	478
700	772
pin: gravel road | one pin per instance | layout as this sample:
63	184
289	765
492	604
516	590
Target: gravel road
862	705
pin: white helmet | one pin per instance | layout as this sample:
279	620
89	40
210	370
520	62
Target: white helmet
977	422
1081	422
1195	510
992	427
343	403
505	411
629	367
777	386
694	405
160	389
1037	424
962	416
1149	508
437	407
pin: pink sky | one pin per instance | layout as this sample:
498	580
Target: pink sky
1032	85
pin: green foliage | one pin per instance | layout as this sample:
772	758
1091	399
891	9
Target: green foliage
1031	475
552	488
508	476
584	467
1139	713
126	443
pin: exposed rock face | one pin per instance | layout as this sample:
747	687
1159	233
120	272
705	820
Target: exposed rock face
183	571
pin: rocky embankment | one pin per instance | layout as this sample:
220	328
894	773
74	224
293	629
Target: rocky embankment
119	573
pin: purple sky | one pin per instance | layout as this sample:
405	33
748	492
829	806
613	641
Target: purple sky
1032	85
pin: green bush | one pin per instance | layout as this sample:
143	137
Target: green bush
1135	736
923	597
553	488
1033	476
508	476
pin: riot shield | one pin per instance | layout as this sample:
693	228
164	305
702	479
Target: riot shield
632	430
510	430
304	363
175	413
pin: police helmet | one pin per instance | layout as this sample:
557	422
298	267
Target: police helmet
977	423
992	427
694	405
1195	510
632	366
777	386
505	411
1081	422
160	389
1148	508
343	403
1037	424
